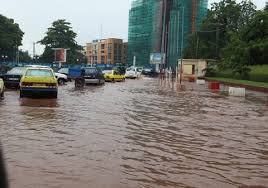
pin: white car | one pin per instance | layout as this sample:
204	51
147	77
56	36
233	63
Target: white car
62	78
133	72
2	88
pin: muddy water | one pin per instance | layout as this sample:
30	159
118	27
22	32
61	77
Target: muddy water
137	134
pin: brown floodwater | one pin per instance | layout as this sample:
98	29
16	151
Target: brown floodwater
136	134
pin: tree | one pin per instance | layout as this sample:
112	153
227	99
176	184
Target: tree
10	38
223	18
24	56
248	46
61	35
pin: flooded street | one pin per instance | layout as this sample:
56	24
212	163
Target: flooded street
135	134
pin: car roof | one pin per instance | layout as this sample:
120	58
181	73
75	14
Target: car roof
39	68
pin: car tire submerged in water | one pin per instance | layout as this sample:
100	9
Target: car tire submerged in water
2	95
21	95
61	81
54	95
79	83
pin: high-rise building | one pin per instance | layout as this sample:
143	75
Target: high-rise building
160	26
106	51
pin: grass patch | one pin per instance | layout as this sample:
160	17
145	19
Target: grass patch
245	82
258	73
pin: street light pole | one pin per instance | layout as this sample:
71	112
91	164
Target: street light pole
34	52
182	43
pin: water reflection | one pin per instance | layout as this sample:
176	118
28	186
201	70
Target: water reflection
51	103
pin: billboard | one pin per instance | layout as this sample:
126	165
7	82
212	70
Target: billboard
60	55
157	58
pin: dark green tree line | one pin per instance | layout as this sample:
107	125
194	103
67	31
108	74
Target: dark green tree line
10	38
233	33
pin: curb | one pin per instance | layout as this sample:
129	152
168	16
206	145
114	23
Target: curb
253	88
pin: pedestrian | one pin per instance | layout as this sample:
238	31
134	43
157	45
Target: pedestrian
3	174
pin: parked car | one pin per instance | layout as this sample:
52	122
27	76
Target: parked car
114	76
133	72
64	71
12	78
2	88
90	75
149	72
38	81
62	78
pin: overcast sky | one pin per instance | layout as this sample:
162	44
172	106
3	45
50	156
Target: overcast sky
86	17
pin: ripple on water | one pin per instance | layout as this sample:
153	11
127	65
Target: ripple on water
141	133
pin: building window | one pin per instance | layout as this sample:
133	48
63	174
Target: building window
109	55
110	46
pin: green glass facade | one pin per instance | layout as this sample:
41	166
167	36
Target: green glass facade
156	26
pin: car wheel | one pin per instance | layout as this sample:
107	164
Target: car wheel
113	80
21	95
61	81
2	95
79	83
55	95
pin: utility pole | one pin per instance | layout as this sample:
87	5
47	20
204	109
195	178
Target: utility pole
197	45
34	52
134	61
92	54
182	43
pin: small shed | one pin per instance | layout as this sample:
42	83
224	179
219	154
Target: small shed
193	67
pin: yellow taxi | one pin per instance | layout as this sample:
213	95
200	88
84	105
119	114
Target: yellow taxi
114	76
38	81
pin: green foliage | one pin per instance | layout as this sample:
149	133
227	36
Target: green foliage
24	56
211	69
258	73
10	38
236	33
61	35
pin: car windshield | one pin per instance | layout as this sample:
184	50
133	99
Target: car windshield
39	73
17	71
90	71
64	71
130	69
108	72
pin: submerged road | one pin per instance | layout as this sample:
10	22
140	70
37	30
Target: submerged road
135	134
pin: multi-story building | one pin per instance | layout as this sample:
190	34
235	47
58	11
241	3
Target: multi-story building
161	26
106	51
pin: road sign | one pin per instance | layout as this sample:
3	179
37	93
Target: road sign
157	58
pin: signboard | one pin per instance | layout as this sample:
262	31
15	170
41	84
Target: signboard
60	55
157	58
